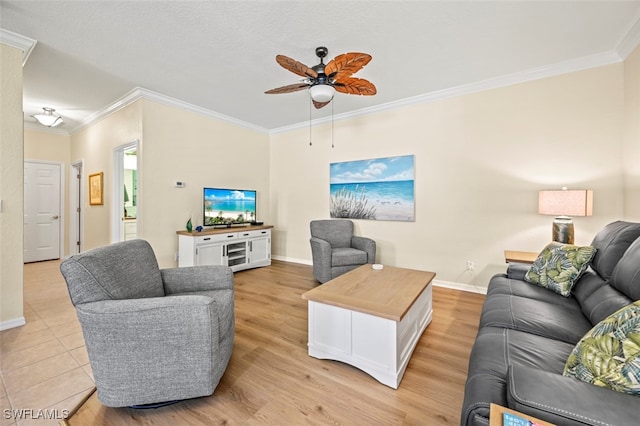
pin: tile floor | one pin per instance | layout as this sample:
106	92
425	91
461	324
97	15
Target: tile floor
44	365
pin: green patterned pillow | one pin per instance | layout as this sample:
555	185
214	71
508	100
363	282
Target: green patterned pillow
559	266
609	354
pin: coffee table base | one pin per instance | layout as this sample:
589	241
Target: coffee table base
378	346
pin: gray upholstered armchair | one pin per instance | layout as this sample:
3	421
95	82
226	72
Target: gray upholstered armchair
335	250
153	335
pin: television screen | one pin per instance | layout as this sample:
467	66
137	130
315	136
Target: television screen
228	206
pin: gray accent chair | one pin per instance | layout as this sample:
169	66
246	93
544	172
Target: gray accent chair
335	250
153	335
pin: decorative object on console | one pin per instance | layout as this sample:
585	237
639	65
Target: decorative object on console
383	189
324	80
48	118
189	225
559	266
563	204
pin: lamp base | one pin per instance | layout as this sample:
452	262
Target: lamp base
562	231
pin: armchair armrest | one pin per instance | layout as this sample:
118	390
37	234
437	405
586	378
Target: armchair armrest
367	245
197	278
564	400
517	271
321	257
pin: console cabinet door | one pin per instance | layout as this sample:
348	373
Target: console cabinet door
211	255
259	250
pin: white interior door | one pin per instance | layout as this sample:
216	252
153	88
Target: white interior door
42	201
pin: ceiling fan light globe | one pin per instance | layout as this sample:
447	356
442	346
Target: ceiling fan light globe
322	92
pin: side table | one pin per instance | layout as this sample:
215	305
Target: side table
519	256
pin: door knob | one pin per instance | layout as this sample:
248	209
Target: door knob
55	217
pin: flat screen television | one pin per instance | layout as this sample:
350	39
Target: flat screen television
228	206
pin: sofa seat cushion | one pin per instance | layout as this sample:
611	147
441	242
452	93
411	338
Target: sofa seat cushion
347	256
609	354
559	266
560	321
494	351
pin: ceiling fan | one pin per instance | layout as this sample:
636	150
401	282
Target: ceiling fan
324	80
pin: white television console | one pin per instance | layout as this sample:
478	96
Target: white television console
238	247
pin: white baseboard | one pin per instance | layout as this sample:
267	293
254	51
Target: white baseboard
12	323
438	283
460	286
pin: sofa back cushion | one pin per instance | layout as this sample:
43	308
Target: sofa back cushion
626	275
611	243
125	270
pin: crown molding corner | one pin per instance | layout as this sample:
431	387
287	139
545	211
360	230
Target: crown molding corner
18	41
630	41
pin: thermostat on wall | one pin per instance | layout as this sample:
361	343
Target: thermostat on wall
180	184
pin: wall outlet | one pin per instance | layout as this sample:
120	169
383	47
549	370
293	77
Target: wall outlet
471	265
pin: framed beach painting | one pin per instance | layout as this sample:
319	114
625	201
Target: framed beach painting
375	189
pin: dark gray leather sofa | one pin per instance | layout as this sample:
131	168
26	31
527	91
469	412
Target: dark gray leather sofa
526	334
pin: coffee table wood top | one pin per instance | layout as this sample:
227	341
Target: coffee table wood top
386	293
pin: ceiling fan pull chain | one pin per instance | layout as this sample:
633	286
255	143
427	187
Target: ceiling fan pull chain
310	101
332	125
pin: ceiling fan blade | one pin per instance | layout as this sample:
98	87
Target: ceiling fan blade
288	89
345	65
295	66
356	86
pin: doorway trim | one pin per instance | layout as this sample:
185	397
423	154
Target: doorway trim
76	210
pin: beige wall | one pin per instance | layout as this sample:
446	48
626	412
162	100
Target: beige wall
11	187
52	147
632	136
173	145
94	146
479	161
200	151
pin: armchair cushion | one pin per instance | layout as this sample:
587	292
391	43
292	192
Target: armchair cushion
347	256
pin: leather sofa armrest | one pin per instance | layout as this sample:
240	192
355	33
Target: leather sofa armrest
564	400
517	271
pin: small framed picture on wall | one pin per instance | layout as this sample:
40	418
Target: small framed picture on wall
95	189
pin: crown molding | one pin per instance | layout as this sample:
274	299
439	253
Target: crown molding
630	41
18	41
560	68
142	93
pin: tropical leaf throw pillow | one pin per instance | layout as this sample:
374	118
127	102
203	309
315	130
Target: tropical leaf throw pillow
609	354
559	266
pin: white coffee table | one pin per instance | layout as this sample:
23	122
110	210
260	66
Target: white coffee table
371	319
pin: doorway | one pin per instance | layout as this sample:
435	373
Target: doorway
43	221
125	192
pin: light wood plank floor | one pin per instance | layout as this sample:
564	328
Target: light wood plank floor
270	378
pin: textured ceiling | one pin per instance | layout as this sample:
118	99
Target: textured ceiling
220	55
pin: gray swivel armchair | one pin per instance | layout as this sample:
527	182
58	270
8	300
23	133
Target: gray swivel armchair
153	335
335	250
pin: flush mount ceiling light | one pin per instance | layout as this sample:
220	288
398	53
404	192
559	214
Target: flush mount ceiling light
48	117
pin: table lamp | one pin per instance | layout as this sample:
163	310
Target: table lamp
564	204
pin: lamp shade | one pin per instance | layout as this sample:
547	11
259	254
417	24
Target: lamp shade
576	202
322	92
